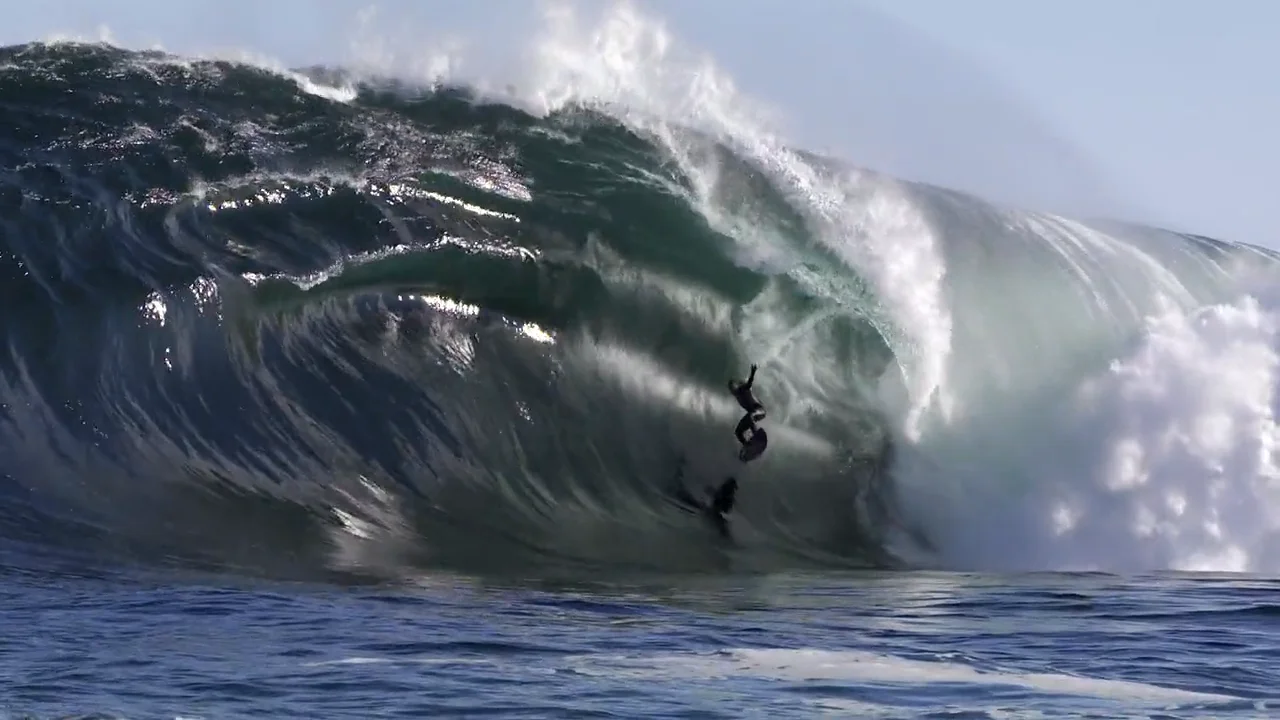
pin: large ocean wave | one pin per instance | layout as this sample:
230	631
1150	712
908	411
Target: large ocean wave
293	322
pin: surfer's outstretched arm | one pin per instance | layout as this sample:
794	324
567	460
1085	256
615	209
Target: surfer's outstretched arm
752	377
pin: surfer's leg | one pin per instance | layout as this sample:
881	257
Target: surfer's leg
744	426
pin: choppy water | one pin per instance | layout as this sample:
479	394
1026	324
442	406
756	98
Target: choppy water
871	644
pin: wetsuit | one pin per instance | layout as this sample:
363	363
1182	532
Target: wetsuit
720	500
724	497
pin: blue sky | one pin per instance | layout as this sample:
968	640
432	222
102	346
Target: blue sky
1179	99
1157	110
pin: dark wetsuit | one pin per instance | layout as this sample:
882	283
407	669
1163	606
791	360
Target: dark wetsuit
724	497
747	399
720	500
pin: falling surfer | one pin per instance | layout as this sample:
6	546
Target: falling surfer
753	438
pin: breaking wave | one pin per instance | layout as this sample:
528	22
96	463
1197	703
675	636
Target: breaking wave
297	322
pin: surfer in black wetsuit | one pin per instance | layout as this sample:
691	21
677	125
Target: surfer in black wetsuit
748	433
719	502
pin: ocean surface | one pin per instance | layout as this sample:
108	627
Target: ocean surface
864	644
328	394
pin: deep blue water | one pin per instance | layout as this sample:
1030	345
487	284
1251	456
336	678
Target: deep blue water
868	644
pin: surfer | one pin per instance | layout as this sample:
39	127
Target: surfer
719	502
724	497
752	438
